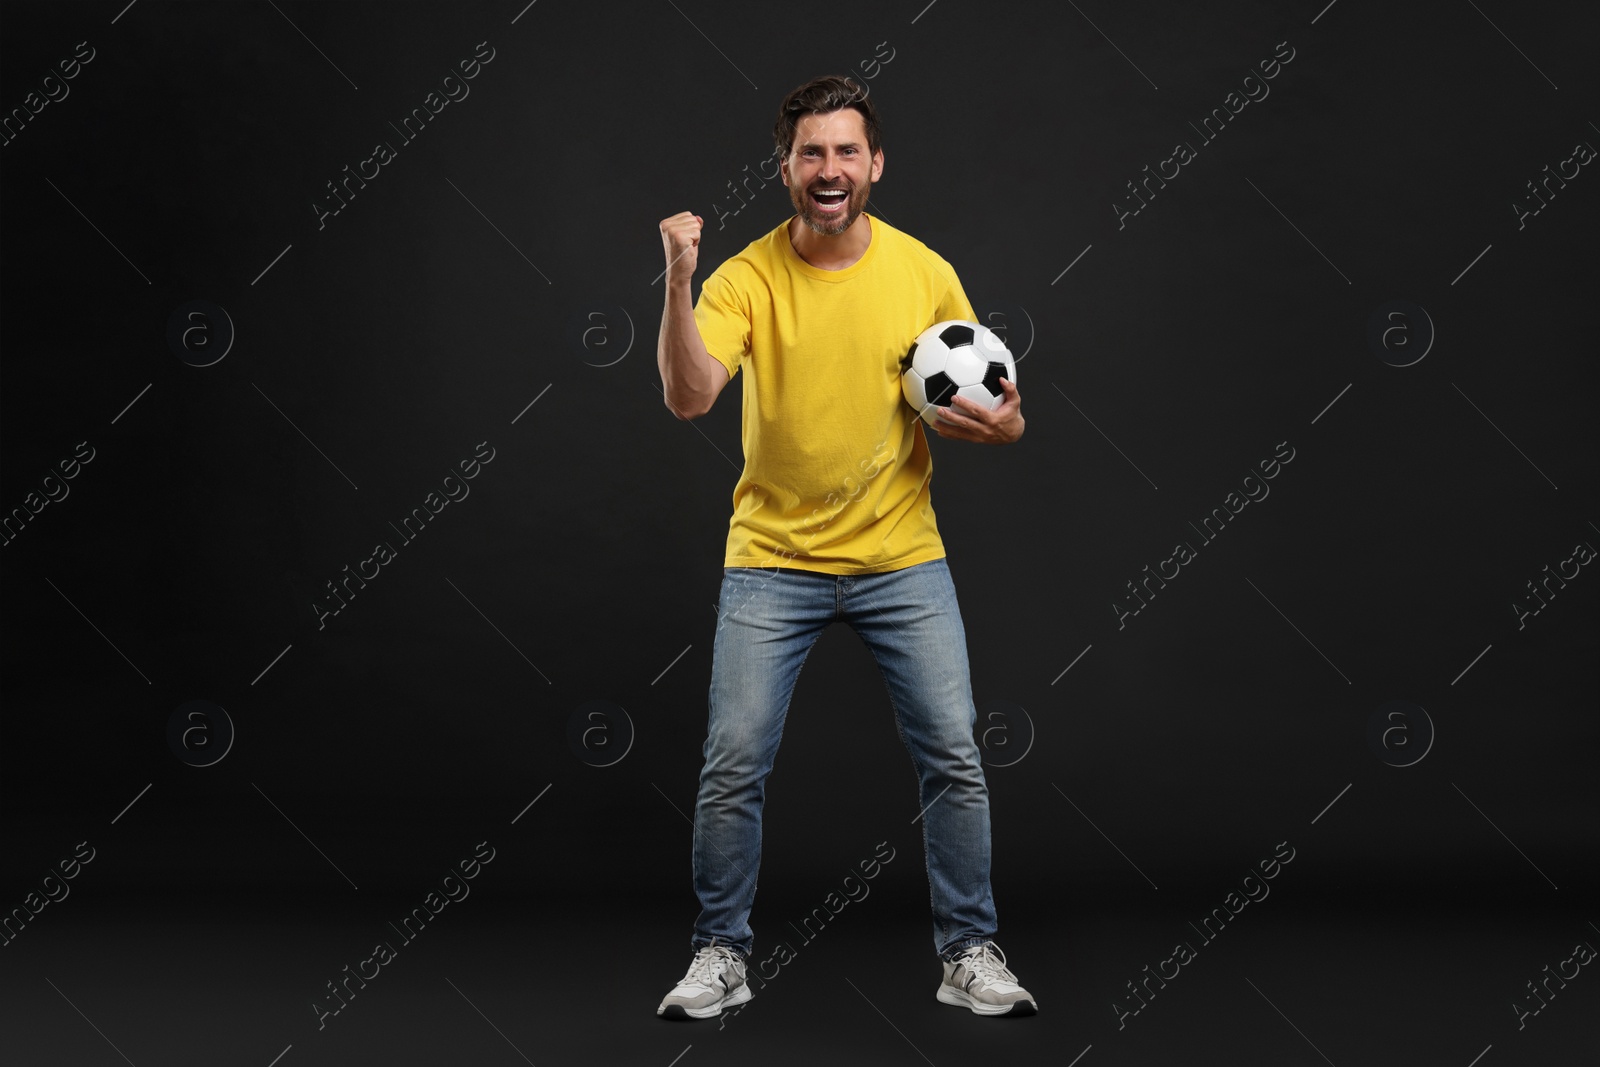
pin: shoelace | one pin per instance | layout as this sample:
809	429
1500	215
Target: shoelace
988	963
708	961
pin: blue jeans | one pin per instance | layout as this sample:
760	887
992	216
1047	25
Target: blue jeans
768	620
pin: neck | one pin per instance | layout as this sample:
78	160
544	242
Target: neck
831	251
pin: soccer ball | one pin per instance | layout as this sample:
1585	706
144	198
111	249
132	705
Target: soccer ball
955	357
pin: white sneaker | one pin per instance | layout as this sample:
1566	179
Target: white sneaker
980	980
715	981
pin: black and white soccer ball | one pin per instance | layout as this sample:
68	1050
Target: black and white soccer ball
955	357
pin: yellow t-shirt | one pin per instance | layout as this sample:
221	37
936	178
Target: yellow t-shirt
837	469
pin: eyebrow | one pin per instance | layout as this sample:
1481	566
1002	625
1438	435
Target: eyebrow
813	144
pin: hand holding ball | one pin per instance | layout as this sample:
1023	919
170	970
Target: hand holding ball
955	357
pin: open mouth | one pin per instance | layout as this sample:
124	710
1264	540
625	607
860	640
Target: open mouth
830	201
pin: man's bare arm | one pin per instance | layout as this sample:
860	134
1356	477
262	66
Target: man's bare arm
691	378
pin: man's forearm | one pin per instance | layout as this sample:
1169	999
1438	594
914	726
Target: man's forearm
690	377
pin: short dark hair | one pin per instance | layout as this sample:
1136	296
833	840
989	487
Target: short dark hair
832	92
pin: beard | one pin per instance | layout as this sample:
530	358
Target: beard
825	223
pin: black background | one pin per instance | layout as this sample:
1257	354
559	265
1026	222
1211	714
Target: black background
509	256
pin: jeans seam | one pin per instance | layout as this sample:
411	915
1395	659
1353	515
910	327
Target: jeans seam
761	821
916	765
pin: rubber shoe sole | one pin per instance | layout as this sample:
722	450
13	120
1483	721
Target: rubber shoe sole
952	995
710	1011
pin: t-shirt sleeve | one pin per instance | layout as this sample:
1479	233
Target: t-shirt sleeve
723	321
955	304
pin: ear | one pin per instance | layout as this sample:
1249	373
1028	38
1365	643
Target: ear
877	165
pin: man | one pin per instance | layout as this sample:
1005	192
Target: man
832	521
